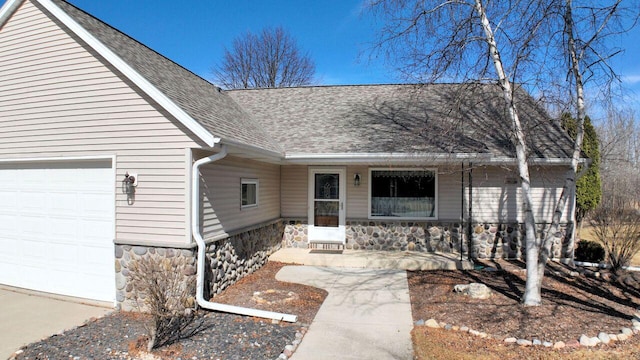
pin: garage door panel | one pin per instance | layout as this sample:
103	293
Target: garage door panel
9	251
57	229
8	199
63	229
96	204
32	202
31	226
7	224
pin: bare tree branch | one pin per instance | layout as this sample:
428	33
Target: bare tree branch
270	59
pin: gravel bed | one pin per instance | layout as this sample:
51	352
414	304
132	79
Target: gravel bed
213	336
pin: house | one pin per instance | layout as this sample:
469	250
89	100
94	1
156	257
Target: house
100	134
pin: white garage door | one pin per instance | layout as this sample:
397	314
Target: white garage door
56	227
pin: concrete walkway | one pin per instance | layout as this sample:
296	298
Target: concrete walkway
398	260
26	317
367	314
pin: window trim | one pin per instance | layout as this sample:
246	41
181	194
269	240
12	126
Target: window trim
370	181
245	181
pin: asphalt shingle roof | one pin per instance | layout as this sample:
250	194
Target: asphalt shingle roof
203	101
433	118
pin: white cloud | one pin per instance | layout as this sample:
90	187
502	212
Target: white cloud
631	79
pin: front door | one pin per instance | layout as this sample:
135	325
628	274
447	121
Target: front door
327	205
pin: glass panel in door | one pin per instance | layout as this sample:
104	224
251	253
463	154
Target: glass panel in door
326	207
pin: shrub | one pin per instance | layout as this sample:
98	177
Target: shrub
617	227
589	251
161	289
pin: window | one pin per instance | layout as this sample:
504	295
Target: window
402	194
249	193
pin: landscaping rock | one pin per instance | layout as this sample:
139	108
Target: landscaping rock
474	290
510	340
604	338
626	331
559	345
537	342
572	344
547	344
432	323
589	341
420	322
622	337
524	342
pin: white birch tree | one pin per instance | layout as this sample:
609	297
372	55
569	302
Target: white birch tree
517	43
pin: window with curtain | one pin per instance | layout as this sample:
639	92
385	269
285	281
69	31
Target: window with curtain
403	194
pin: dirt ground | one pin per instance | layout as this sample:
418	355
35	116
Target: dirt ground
572	306
261	290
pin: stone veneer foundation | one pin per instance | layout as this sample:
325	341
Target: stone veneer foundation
506	241
228	260
488	241
386	236
232	258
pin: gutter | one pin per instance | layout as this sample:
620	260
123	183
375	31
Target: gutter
413	157
195	228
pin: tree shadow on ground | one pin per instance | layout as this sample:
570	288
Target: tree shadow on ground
589	294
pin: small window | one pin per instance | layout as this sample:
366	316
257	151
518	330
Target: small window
403	194
249	193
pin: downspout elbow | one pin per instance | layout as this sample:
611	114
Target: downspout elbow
195	228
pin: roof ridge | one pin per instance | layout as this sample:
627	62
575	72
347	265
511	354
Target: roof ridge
361	85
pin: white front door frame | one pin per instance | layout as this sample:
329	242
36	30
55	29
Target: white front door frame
326	234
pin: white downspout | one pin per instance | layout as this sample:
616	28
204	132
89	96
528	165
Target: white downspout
195	227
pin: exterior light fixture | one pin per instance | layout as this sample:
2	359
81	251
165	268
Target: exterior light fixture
129	184
356	179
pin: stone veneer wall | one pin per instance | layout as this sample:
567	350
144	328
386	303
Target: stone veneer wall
386	235
489	241
229	259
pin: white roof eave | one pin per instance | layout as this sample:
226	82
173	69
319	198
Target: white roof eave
414	158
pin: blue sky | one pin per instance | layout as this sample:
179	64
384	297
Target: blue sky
334	32
194	33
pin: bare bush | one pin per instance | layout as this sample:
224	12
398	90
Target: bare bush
618	229
161	289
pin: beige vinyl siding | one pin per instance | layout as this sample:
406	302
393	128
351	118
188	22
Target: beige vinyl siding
495	200
449	194
294	185
58	100
546	188
358	196
222	212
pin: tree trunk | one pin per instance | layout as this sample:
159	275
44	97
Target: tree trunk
568	190
532	294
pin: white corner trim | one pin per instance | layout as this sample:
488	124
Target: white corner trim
8	9
131	74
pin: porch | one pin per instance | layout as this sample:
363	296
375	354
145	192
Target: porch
395	260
